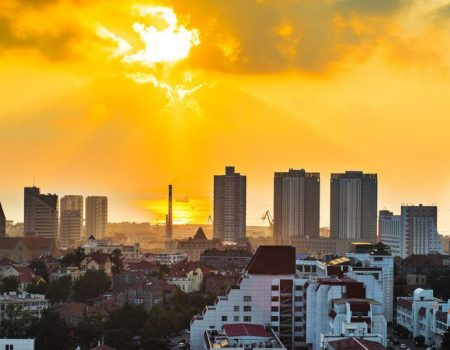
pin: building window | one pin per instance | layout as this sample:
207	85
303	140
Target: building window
298	319
298	308
274	319
275	287
236	308
298	329
298	298
274	309
274	298
247	319
275	328
9	347
247	308
236	318
247	298
224	318
298	287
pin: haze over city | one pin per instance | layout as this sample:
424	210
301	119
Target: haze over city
265	86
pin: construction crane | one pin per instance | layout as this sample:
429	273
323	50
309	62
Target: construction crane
267	216
210	220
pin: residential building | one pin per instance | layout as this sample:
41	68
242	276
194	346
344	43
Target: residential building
242	336
296	205
356	339
96	261
17	344
22	249
2	222
420	230
34	303
194	247
169	259
71	221
300	308
66	271
218	284
187	275
23	274
226	260
96	216
73	312
230	201
353	206
424	315
107	246
148	293
414	232
40	213
391	232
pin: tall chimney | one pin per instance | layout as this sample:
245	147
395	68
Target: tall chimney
169	216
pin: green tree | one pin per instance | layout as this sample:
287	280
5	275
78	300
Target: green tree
16	322
59	290
52	332
89	331
75	258
10	284
116	260
39	268
130	317
91	285
37	286
119	338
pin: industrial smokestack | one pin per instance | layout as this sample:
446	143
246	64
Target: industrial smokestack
169	216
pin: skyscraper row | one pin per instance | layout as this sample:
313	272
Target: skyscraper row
41	216
353	209
414	231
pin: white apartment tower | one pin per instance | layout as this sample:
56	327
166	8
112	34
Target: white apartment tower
96	216
71	220
230	201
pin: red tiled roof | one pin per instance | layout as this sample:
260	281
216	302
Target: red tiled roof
273	260
419	261
25	274
355	344
404	303
200	235
143	266
182	268
245	329
359	306
99	258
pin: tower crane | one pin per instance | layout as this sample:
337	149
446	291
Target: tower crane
267	216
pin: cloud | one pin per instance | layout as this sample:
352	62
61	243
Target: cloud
370	7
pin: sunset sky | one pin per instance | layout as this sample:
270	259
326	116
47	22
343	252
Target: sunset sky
121	98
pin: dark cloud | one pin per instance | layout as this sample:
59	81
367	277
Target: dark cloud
322	33
55	46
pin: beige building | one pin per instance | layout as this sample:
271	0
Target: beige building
96	216
96	262
194	247
22	249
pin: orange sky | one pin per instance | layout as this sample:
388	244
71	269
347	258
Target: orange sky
121	98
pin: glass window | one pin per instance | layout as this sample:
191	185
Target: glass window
247	319
236	308
224	318
247	308
247	298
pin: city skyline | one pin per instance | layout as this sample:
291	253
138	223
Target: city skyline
102	111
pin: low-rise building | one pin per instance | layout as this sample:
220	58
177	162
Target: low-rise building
226	259
147	293
188	275
107	246
169	259
242	336
17	344
23	249
35	303
194	247
70	271
96	261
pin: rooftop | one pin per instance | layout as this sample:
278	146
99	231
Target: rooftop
355	344
273	260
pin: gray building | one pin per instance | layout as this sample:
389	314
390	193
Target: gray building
71	220
296	204
390	230
96	216
230	200
2	222
40	213
353	206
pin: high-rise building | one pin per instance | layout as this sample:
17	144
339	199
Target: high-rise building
169	224
96	216
390	232
296	204
71	220
230	196
412	232
419	224
2	222
40	213
353	205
